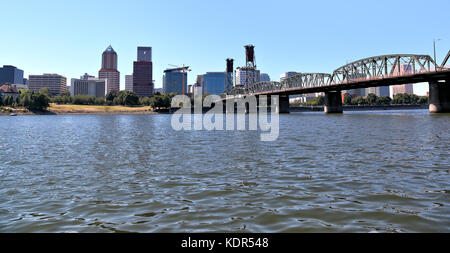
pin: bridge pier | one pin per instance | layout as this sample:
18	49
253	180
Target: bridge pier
333	102
439	97
283	104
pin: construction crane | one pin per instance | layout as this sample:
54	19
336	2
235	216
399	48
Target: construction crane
182	69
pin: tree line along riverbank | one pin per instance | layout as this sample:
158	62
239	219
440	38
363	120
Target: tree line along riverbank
126	102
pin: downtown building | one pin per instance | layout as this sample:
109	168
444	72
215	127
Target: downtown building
109	70
403	88
264	77
12	75
379	91
143	72
243	73
213	83
88	86
56	83
173	80
129	82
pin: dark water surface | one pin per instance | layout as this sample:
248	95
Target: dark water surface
357	172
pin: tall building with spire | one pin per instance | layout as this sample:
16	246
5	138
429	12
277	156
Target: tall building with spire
109	70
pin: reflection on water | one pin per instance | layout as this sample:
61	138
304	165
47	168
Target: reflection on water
358	172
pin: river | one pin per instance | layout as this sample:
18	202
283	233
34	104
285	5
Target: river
381	171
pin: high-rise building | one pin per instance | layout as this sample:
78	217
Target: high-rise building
379	91
286	75
242	73
264	77
56	83
360	92
91	86
129	82
403	88
143	72
11	74
144	54
109	70
173	81
213	83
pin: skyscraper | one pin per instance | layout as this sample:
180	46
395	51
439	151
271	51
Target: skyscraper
11	74
213	83
144	54
173	81
403	88
109	70
143	72
243	73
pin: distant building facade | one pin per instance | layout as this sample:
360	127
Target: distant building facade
379	91
213	83
109	70
92	87
10	74
86	76
144	54
56	83
264	77
8	90
160	90
129	82
403	88
286	75
143	72
242	73
173	81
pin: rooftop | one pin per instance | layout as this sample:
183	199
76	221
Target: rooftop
109	50
8	88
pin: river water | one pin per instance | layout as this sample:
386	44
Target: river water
357	172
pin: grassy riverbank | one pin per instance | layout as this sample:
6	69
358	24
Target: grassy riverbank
56	109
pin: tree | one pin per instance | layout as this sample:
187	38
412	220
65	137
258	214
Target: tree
45	90
161	101
347	99
423	100
371	99
17	101
359	101
383	100
8	100
110	96
39	101
145	100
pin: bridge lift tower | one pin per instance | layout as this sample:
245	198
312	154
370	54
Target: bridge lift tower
250	65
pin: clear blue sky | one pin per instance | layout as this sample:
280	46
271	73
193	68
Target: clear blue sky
68	37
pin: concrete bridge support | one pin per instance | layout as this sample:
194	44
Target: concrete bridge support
283	104
440	97
333	102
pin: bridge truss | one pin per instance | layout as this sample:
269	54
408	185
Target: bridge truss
371	68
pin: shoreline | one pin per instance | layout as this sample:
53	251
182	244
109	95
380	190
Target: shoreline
55	109
111	110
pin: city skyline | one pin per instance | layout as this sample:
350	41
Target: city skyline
62	51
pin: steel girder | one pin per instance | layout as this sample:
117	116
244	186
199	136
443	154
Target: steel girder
383	66
377	67
306	80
